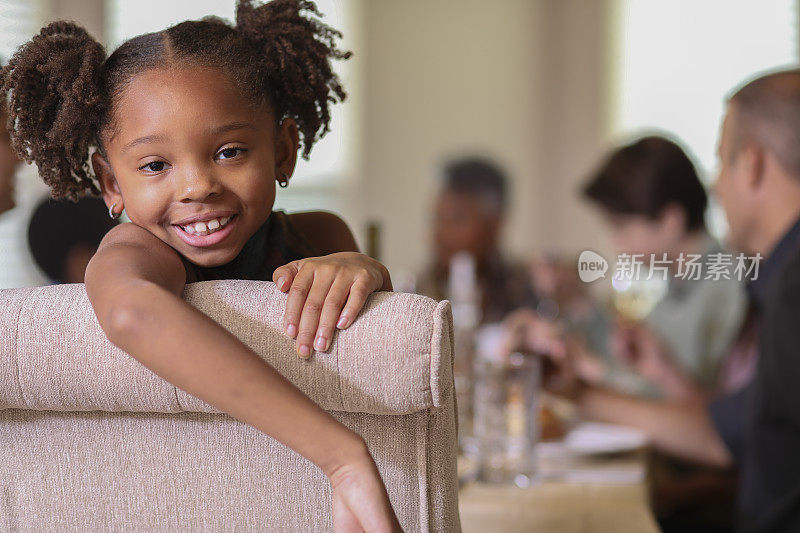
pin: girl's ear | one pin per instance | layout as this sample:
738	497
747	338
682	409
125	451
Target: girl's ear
108	184
286	146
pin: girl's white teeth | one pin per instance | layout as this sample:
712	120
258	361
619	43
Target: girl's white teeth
204	228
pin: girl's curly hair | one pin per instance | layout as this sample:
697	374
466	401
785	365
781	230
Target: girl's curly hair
61	89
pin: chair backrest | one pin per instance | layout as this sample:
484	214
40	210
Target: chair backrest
90	438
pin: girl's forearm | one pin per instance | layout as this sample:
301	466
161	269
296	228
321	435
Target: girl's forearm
191	351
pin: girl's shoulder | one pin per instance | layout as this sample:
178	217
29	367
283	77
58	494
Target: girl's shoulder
327	232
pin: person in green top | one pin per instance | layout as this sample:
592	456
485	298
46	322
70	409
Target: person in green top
654	202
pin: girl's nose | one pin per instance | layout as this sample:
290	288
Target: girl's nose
198	185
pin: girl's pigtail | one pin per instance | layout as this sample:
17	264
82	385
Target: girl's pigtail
296	52
53	88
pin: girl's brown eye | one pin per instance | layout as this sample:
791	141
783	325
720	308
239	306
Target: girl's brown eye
155	166
229	153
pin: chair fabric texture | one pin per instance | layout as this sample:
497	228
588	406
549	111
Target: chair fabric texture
92	440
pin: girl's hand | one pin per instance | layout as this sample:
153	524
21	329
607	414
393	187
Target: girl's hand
326	293
360	502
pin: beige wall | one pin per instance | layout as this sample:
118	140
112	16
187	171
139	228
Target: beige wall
574	126
522	81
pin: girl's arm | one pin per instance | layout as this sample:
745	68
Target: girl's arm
134	283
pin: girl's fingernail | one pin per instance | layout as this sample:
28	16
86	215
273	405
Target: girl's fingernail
281	281
291	330
342	322
320	344
305	351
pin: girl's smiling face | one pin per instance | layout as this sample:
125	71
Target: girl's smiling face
192	163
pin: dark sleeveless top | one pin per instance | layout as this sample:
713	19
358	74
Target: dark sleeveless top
277	242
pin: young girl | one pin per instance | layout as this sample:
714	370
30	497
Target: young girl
192	127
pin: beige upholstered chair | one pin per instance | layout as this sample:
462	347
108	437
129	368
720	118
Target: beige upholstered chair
91	440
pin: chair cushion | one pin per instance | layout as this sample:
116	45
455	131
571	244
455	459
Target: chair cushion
396	358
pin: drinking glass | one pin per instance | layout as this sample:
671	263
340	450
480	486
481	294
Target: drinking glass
506	402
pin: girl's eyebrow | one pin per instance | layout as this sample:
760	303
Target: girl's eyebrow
233	126
216	131
143	140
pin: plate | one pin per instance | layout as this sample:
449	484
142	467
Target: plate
595	438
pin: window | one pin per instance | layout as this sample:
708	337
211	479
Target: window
676	62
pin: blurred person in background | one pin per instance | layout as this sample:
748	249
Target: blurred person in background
654	202
469	214
756	428
63	236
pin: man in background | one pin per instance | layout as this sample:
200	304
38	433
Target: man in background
469	214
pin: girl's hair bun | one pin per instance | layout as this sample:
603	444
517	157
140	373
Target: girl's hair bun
296	53
54	90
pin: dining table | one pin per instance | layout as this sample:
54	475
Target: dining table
568	492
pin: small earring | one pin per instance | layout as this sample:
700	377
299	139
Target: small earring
112	214
285	181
